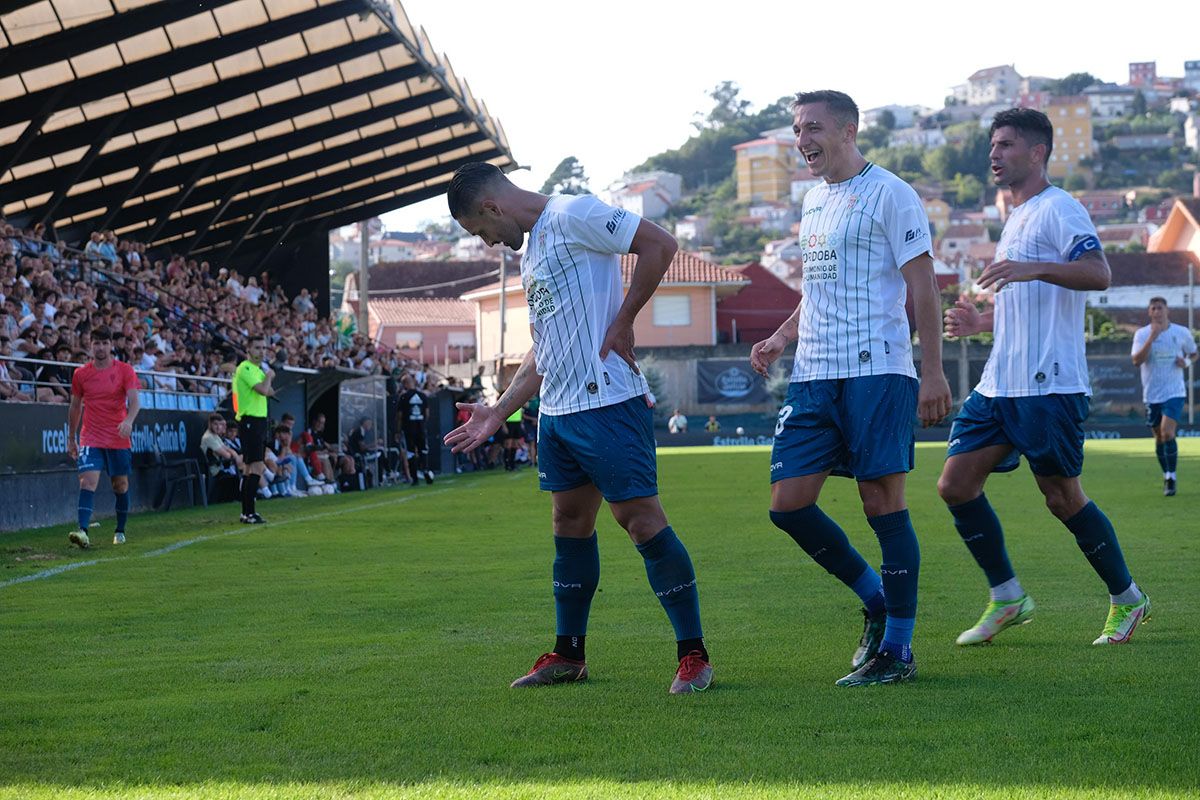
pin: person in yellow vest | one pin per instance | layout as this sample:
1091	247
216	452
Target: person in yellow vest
251	388
513	436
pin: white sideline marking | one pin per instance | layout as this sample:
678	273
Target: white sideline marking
50	573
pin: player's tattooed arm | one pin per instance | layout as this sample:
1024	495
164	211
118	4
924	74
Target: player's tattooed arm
486	420
654	248
764	353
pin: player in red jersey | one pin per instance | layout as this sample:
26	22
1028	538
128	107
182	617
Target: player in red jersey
104	395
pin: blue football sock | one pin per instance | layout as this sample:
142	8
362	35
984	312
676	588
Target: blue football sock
576	576
980	530
1170	455
899	571
1160	450
674	581
897	638
1096	538
86	499
825	541
869	589
122	510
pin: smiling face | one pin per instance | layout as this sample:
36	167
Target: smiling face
825	143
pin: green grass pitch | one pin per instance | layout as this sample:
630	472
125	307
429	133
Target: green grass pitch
361	646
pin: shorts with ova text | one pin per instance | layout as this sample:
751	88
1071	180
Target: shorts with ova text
858	428
253	434
1047	430
611	447
1172	409
116	461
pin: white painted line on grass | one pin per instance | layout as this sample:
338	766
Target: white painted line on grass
50	573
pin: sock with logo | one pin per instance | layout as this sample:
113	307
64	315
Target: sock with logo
899	571
570	647
1128	597
87	498
576	576
1171	456
980	530
1160	450
674	581
1096	538
825	541
122	510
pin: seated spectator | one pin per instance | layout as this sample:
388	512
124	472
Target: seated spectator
9	388
364	448
677	422
222	462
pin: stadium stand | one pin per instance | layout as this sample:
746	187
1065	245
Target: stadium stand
172	170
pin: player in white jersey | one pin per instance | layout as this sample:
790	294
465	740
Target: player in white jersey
596	434
1162	350
1033	397
853	391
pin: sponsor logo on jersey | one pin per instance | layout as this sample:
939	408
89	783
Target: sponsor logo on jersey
611	225
540	298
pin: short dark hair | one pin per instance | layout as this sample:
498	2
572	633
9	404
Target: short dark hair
840	104
468	183
101	334
214	418
282	429
1154	300
1030	124
287	416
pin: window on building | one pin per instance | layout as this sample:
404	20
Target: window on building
409	338
460	338
672	310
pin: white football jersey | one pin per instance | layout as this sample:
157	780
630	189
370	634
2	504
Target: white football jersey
571	273
1162	380
1038	327
854	237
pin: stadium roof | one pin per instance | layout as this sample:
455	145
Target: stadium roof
224	127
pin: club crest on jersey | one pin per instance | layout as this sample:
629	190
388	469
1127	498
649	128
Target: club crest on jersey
541	239
851	202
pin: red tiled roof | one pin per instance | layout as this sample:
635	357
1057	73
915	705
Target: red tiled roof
421	312
1152	269
686	268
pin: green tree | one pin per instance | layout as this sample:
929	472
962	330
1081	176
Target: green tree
567	178
968	190
728	107
1074	83
1139	104
1075	182
887	120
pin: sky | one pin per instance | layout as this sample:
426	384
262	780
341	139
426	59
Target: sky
615	82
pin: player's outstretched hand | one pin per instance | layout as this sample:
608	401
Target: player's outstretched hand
963	319
475	431
619	339
764	354
933	400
